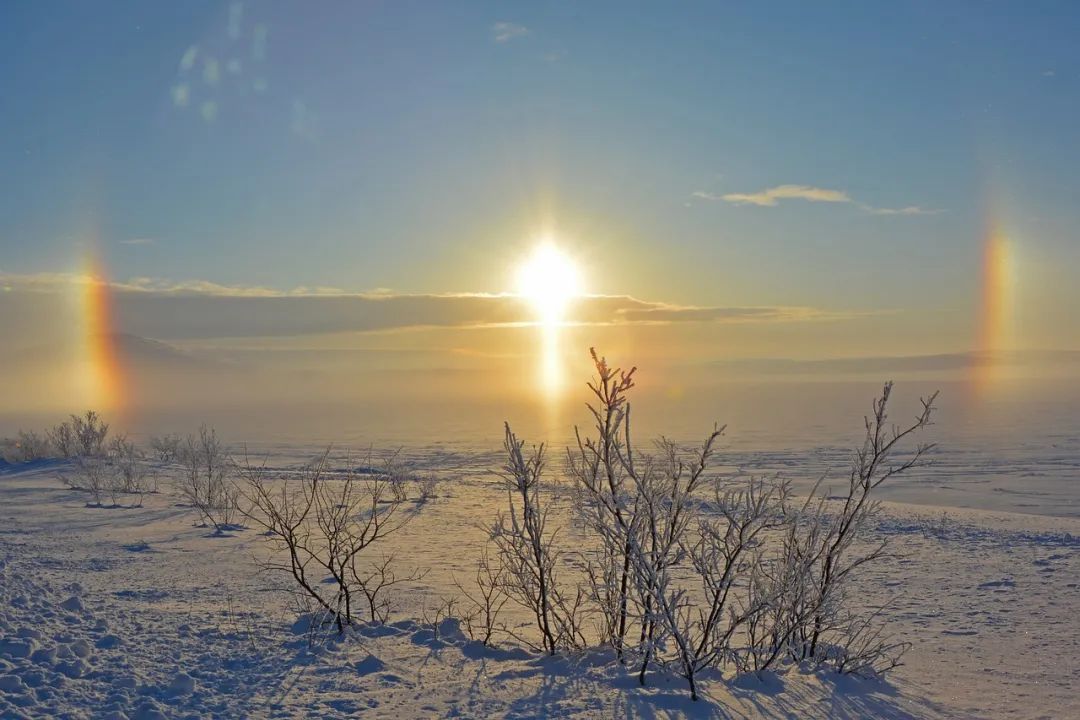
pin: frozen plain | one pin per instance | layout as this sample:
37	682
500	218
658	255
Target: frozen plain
138	612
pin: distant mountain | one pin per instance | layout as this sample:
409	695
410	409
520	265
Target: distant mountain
139	350
136	352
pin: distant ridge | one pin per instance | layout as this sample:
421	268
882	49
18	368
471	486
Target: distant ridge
134	350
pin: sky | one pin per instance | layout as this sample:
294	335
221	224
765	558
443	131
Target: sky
781	181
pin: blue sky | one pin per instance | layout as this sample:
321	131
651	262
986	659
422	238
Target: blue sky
419	146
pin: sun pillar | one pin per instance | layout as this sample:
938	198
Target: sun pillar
550	281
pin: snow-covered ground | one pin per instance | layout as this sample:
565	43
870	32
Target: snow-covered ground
136	612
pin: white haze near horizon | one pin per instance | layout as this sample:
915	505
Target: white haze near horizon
1015	449
1008	427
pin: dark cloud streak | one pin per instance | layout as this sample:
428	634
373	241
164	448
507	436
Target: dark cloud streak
203	311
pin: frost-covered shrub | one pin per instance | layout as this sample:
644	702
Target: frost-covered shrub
404	482
93	475
27	446
166	447
119	473
688	570
427	486
205	482
90	433
321	524
828	542
62	438
528	555
485	601
127	461
80	436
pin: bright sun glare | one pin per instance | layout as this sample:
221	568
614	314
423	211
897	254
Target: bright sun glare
550	280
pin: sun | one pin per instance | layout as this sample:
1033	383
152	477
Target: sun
550	280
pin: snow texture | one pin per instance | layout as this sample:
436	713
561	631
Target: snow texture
137	613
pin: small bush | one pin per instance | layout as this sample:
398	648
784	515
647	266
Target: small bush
62	438
485	601
205	482
27	446
120	472
128	464
90	433
323	525
95	476
166	447
688	571
528	555
82	436
427	487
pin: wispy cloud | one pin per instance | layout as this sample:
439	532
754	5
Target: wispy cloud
139	241
181	93
187	61
770	197
503	32
909	210
774	195
304	121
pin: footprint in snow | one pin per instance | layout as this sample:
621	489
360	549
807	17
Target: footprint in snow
369	665
137	547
